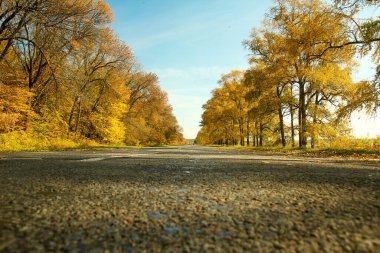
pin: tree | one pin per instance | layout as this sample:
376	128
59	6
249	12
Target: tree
300	29
226	116
64	74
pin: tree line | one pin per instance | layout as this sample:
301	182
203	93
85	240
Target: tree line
65	74
298	89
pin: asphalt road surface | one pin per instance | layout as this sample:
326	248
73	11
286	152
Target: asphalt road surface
187	199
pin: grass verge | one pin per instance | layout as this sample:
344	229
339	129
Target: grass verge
22	141
365	154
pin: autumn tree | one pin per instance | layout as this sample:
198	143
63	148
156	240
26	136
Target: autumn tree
301	28
226	115
300	66
65	74
149	118
270	76
234	94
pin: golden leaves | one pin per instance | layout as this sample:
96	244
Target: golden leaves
84	79
103	8
295	71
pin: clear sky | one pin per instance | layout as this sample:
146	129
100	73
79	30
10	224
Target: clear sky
189	44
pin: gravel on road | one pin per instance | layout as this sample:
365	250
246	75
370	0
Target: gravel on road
187	199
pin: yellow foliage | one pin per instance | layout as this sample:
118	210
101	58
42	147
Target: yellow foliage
353	143
14	108
109	129
103	8
27	141
376	143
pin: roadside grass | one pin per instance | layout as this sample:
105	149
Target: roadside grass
75	146
358	153
21	141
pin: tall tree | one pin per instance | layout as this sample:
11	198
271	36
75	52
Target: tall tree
302	27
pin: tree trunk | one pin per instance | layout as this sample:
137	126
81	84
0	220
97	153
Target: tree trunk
248	132
304	127
292	125
71	117
261	134
78	118
302	117
281	116
241	132
257	133
292	119
313	134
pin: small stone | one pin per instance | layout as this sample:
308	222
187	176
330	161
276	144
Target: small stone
183	190
172	230
156	215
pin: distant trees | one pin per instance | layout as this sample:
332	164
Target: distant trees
63	73
226	119
149	117
299	78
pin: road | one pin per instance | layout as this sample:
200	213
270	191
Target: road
187	199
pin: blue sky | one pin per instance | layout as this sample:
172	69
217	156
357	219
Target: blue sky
189	44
